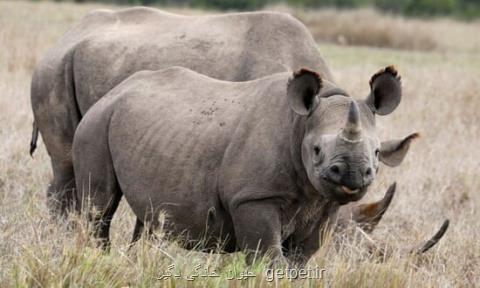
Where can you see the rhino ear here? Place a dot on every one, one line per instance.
(393, 152)
(386, 91)
(302, 90)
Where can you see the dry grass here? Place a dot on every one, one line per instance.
(368, 27)
(438, 180)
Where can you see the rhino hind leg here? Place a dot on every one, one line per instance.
(56, 116)
(60, 192)
(138, 230)
(98, 191)
(101, 221)
(58, 142)
(58, 138)
(99, 196)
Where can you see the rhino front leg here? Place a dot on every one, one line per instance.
(299, 253)
(258, 231)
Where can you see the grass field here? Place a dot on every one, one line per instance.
(439, 179)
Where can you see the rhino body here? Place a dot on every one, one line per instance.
(245, 163)
(106, 47)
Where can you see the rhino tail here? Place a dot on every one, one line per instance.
(33, 142)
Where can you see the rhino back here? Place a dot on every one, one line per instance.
(234, 47)
(106, 47)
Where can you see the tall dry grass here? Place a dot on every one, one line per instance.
(368, 27)
(438, 180)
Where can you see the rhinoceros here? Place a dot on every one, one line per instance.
(257, 165)
(106, 47)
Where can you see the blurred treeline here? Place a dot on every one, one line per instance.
(458, 8)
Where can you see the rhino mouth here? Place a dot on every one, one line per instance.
(349, 191)
(343, 194)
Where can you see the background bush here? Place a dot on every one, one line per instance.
(466, 9)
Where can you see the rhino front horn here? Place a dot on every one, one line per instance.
(352, 130)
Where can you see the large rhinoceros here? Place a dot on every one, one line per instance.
(262, 164)
(106, 47)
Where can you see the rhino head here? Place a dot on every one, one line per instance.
(340, 150)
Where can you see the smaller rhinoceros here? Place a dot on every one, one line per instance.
(258, 165)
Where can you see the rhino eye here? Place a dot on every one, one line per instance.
(377, 153)
(316, 149)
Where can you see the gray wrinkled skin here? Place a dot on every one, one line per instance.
(246, 163)
(106, 47)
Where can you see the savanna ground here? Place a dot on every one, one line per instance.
(440, 65)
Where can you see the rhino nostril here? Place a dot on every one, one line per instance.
(335, 169)
(368, 172)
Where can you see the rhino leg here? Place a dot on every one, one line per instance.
(56, 116)
(298, 253)
(98, 192)
(60, 192)
(102, 220)
(137, 231)
(58, 138)
(99, 195)
(257, 231)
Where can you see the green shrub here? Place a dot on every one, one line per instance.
(430, 7)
